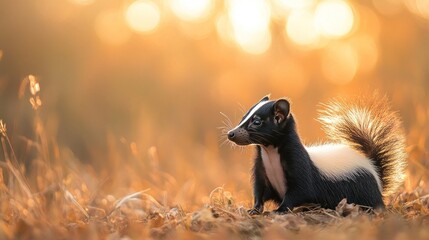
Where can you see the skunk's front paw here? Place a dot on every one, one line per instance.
(281, 210)
(253, 211)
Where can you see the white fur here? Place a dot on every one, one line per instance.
(259, 105)
(273, 168)
(339, 161)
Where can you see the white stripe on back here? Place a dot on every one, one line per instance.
(339, 162)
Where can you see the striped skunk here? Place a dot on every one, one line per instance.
(365, 162)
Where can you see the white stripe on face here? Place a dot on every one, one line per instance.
(253, 111)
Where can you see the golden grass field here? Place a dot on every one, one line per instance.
(111, 113)
(132, 195)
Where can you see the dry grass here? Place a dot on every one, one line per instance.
(57, 196)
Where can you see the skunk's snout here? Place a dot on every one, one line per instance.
(231, 135)
(239, 135)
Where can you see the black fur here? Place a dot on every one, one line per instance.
(305, 183)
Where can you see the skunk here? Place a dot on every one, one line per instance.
(365, 161)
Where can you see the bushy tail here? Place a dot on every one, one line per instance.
(371, 127)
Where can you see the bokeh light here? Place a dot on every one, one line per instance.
(339, 63)
(224, 29)
(368, 22)
(367, 52)
(300, 28)
(196, 30)
(82, 2)
(250, 21)
(388, 7)
(143, 16)
(191, 10)
(289, 5)
(418, 7)
(256, 44)
(111, 28)
(334, 18)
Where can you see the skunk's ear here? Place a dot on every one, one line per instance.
(266, 98)
(281, 110)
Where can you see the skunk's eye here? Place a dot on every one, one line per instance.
(257, 122)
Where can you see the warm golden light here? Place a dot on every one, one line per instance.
(294, 4)
(115, 114)
(334, 18)
(288, 78)
(367, 52)
(250, 21)
(191, 10)
(300, 28)
(423, 6)
(418, 7)
(256, 44)
(340, 63)
(82, 2)
(196, 30)
(249, 15)
(388, 7)
(143, 16)
(111, 28)
(224, 29)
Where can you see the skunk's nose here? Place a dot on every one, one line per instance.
(231, 135)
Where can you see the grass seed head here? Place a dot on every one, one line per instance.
(2, 128)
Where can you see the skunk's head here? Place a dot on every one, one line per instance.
(263, 124)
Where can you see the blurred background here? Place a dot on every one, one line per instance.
(132, 90)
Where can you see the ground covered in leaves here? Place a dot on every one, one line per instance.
(57, 214)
